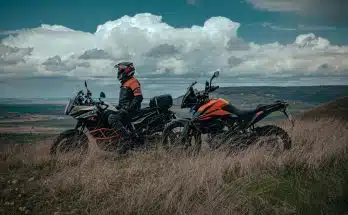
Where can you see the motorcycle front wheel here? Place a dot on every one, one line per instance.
(171, 134)
(70, 141)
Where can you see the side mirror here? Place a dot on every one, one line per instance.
(102, 95)
(206, 85)
(216, 74)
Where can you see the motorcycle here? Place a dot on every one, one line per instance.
(91, 118)
(217, 117)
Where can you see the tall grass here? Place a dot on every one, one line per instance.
(311, 178)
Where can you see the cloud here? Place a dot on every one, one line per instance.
(331, 10)
(299, 27)
(6, 33)
(161, 50)
(13, 55)
(56, 64)
(315, 27)
(192, 2)
(95, 54)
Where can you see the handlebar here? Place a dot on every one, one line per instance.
(192, 84)
(213, 88)
(99, 103)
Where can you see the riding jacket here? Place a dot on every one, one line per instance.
(130, 95)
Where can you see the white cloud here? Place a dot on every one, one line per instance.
(160, 49)
(299, 27)
(13, 55)
(331, 10)
(192, 2)
(280, 5)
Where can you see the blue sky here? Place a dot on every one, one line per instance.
(262, 23)
(86, 15)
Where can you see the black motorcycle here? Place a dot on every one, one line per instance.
(91, 118)
(216, 117)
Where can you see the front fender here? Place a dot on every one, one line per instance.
(183, 121)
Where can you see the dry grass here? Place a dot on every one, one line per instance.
(312, 178)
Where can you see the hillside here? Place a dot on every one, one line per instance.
(311, 178)
(334, 109)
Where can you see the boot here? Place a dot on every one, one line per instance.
(125, 141)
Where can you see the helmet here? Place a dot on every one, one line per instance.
(124, 70)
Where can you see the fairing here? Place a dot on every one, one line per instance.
(83, 111)
(213, 108)
(69, 107)
(189, 100)
(110, 107)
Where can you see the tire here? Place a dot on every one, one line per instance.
(240, 142)
(269, 130)
(168, 133)
(186, 140)
(75, 142)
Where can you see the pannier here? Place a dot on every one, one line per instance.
(162, 102)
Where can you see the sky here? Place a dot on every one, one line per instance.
(48, 48)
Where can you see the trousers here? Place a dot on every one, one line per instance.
(120, 119)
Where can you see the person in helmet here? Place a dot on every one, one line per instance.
(130, 97)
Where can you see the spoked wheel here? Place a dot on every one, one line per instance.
(172, 135)
(192, 142)
(273, 136)
(269, 136)
(70, 141)
(179, 135)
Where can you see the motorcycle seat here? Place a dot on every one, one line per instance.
(251, 112)
(244, 112)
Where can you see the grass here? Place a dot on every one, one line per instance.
(20, 138)
(312, 178)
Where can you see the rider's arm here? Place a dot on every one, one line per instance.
(134, 88)
(135, 102)
(138, 96)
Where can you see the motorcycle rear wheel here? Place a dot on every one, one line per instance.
(239, 142)
(269, 130)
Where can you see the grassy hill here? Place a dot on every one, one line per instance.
(311, 178)
(335, 109)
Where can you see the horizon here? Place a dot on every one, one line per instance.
(64, 99)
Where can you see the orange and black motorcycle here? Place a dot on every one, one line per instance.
(217, 117)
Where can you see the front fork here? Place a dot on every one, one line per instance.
(80, 126)
(190, 130)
